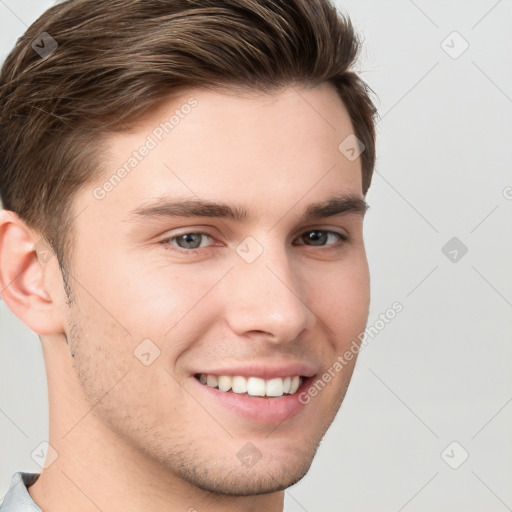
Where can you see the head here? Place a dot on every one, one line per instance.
(143, 105)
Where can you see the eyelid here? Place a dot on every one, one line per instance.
(330, 229)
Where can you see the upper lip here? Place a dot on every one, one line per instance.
(262, 370)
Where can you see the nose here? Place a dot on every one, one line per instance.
(266, 299)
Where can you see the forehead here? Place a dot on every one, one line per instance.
(251, 148)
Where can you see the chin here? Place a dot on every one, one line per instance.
(267, 475)
(252, 481)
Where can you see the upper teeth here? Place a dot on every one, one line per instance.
(254, 386)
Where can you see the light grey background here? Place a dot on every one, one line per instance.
(440, 371)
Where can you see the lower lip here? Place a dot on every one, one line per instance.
(257, 408)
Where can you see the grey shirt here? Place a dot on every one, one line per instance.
(17, 498)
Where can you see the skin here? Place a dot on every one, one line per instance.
(132, 437)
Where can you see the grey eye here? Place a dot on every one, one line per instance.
(319, 237)
(189, 240)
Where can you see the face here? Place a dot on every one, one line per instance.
(172, 301)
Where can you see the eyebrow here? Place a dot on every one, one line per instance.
(166, 207)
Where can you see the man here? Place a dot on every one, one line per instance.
(183, 186)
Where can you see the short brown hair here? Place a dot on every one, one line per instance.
(116, 59)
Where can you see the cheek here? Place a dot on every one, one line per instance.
(173, 303)
(355, 300)
(114, 374)
(149, 295)
(341, 297)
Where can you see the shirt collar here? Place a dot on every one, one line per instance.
(17, 498)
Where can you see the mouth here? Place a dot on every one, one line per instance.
(252, 386)
(262, 397)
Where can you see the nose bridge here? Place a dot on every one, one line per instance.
(264, 295)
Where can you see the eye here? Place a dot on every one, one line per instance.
(189, 243)
(319, 237)
(186, 242)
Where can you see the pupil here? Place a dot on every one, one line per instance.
(186, 239)
(316, 236)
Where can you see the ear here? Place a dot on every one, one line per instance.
(27, 272)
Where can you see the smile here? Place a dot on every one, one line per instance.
(253, 386)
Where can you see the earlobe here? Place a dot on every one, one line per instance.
(23, 264)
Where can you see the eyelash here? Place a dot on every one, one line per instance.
(343, 238)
